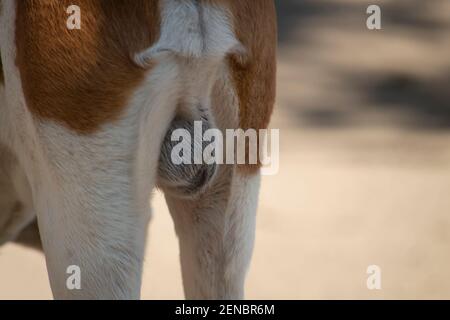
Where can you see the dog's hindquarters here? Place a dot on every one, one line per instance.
(88, 128)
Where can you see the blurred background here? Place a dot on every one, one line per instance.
(364, 119)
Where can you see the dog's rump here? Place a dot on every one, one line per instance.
(88, 111)
(113, 32)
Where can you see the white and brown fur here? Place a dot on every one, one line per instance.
(83, 120)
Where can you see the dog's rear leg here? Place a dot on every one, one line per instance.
(216, 235)
(15, 198)
(93, 212)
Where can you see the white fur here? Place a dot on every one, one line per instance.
(192, 30)
(91, 193)
(216, 236)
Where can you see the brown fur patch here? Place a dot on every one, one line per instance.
(82, 78)
(255, 79)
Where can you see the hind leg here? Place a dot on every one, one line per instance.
(216, 235)
(15, 198)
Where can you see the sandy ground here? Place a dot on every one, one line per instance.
(364, 168)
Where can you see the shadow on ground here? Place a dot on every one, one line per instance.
(342, 74)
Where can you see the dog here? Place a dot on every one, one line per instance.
(86, 120)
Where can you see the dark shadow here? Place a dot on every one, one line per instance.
(413, 14)
(426, 101)
(296, 15)
(405, 98)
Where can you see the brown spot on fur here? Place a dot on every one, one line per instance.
(255, 79)
(82, 78)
